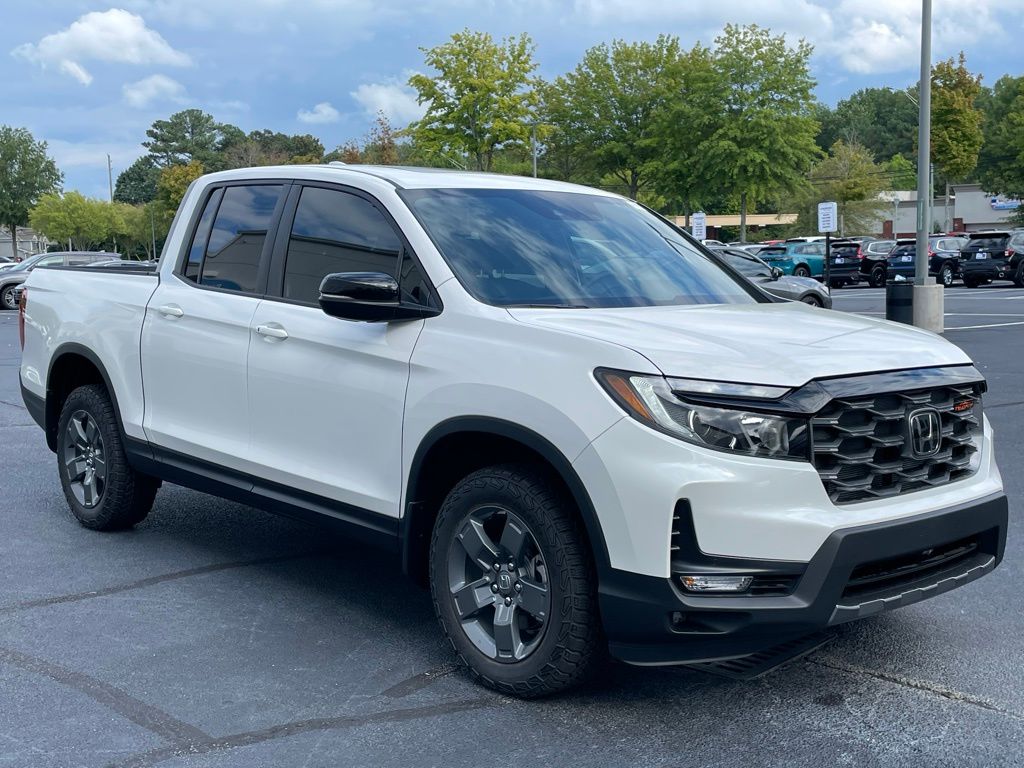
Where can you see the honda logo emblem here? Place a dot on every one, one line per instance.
(924, 432)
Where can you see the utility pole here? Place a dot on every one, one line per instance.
(928, 295)
(533, 137)
(152, 224)
(110, 177)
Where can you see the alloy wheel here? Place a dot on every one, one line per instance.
(84, 459)
(947, 276)
(498, 583)
(8, 299)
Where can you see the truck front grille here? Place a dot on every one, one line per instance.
(863, 450)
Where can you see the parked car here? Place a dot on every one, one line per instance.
(808, 256)
(988, 256)
(943, 259)
(771, 279)
(713, 243)
(777, 256)
(16, 275)
(548, 403)
(873, 266)
(844, 262)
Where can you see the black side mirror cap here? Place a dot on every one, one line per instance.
(373, 297)
(776, 273)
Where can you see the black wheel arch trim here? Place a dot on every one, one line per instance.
(530, 439)
(52, 411)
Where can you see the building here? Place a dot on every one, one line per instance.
(29, 242)
(969, 209)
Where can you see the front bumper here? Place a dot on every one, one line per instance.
(649, 620)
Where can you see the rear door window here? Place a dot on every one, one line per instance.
(230, 256)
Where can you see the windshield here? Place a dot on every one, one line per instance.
(992, 243)
(566, 249)
(750, 266)
(27, 263)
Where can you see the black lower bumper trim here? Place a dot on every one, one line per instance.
(35, 405)
(649, 620)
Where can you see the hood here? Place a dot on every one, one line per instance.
(784, 344)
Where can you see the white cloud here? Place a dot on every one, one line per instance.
(153, 88)
(395, 100)
(93, 154)
(321, 113)
(112, 36)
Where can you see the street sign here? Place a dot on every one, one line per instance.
(699, 225)
(828, 217)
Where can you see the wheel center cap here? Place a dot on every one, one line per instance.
(505, 581)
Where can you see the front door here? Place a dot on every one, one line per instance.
(326, 395)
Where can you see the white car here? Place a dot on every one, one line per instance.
(552, 406)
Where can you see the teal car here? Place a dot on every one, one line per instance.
(797, 257)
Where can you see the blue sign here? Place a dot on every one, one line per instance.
(1000, 203)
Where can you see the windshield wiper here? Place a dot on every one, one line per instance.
(546, 306)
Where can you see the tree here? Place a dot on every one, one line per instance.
(26, 174)
(141, 223)
(956, 122)
(186, 136)
(850, 177)
(1001, 161)
(901, 173)
(136, 184)
(348, 153)
(612, 103)
(174, 182)
(84, 221)
(562, 129)
(380, 147)
(480, 99)
(881, 119)
(763, 137)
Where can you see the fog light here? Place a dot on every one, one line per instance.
(704, 583)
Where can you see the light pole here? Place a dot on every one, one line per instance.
(928, 296)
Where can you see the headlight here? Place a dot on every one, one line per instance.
(651, 400)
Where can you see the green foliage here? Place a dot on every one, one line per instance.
(611, 106)
(480, 99)
(266, 147)
(26, 173)
(850, 177)
(1001, 162)
(381, 147)
(956, 122)
(881, 119)
(186, 136)
(84, 221)
(761, 139)
(174, 182)
(900, 173)
(136, 184)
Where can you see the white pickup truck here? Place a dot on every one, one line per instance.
(574, 423)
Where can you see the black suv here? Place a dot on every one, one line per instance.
(997, 255)
(845, 257)
(943, 258)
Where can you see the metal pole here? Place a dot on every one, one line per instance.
(110, 177)
(924, 132)
(534, 136)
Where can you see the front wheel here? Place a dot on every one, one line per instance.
(103, 491)
(513, 582)
(946, 275)
(7, 300)
(801, 270)
(814, 301)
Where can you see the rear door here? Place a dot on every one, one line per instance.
(327, 395)
(195, 338)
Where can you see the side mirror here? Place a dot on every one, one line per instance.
(368, 296)
(776, 273)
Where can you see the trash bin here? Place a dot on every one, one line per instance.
(899, 302)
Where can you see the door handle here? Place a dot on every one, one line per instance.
(170, 310)
(272, 331)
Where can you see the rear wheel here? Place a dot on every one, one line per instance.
(103, 491)
(972, 282)
(7, 300)
(802, 270)
(946, 275)
(513, 583)
(877, 278)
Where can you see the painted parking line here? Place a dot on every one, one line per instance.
(976, 327)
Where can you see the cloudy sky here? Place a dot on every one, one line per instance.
(89, 77)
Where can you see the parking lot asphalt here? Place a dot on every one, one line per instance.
(218, 635)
